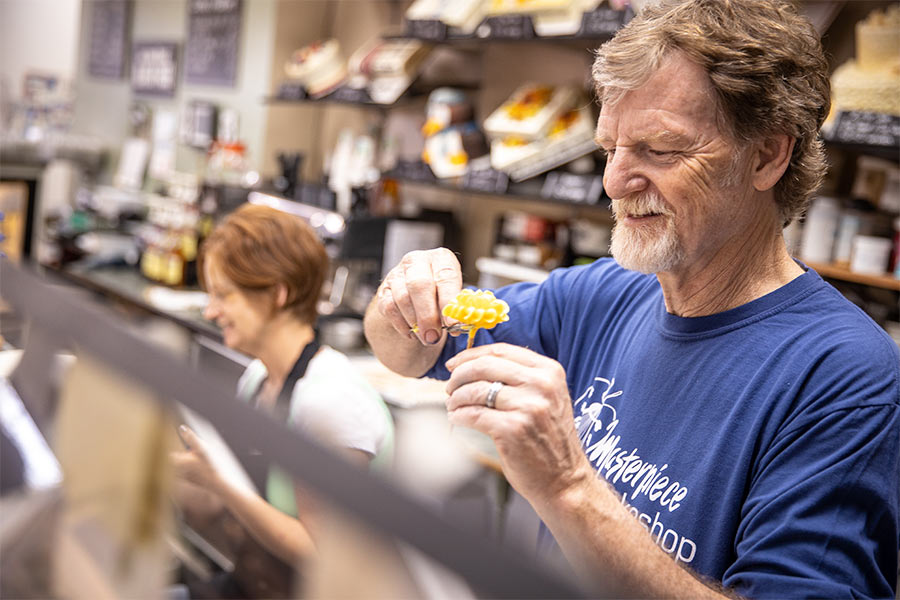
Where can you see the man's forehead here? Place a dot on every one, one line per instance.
(678, 97)
(647, 132)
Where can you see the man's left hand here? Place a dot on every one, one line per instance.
(531, 422)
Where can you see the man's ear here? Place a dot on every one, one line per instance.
(773, 154)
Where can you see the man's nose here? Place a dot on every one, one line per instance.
(623, 175)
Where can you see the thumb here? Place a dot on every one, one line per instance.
(190, 439)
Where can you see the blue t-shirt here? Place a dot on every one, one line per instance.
(759, 446)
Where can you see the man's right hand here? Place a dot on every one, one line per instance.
(411, 298)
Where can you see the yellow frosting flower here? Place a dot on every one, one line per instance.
(477, 309)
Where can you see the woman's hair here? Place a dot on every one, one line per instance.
(258, 247)
(766, 66)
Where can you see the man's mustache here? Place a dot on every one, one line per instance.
(641, 204)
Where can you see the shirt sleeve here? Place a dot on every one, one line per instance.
(821, 515)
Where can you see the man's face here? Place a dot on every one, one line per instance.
(680, 191)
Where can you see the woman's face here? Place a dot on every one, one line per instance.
(242, 317)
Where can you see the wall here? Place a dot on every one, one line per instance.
(294, 127)
(26, 29)
(102, 106)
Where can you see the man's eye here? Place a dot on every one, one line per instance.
(660, 153)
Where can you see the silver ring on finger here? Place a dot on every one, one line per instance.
(491, 400)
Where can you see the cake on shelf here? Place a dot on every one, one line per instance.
(319, 67)
(571, 136)
(871, 82)
(386, 68)
(550, 17)
(452, 139)
(464, 15)
(450, 151)
(530, 112)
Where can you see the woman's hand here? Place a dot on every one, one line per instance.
(193, 464)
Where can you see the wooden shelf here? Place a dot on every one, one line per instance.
(888, 282)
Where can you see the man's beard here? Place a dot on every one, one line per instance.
(648, 248)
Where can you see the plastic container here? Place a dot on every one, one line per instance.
(848, 228)
(819, 230)
(870, 254)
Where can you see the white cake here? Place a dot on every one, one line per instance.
(465, 15)
(570, 137)
(450, 151)
(871, 82)
(320, 67)
(530, 111)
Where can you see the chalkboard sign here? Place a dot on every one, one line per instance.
(486, 180)
(871, 129)
(604, 21)
(506, 27)
(154, 68)
(571, 187)
(210, 55)
(349, 95)
(291, 90)
(110, 24)
(426, 29)
(413, 171)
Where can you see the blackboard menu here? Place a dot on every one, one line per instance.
(506, 27)
(210, 55)
(867, 128)
(604, 21)
(571, 187)
(292, 90)
(413, 171)
(426, 29)
(110, 24)
(486, 180)
(154, 68)
(349, 95)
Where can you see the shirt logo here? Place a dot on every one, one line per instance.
(596, 420)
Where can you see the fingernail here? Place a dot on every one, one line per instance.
(182, 429)
(432, 336)
(450, 364)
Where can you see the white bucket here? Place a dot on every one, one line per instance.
(870, 254)
(819, 230)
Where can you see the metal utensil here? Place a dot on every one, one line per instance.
(455, 328)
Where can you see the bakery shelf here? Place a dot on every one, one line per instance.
(873, 134)
(597, 25)
(886, 152)
(292, 93)
(832, 271)
(555, 187)
(509, 270)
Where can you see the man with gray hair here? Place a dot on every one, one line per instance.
(704, 415)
